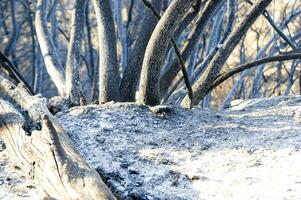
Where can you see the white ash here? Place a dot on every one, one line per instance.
(12, 184)
(251, 151)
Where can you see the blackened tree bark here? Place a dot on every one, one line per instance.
(73, 86)
(202, 85)
(132, 72)
(171, 72)
(156, 50)
(108, 65)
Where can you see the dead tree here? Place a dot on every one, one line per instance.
(171, 72)
(160, 42)
(202, 85)
(39, 146)
(156, 50)
(132, 72)
(54, 68)
(73, 86)
(108, 65)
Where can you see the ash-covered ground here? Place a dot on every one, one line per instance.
(12, 184)
(250, 151)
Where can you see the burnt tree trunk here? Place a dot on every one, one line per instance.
(53, 66)
(132, 72)
(156, 50)
(108, 65)
(202, 86)
(42, 149)
(73, 86)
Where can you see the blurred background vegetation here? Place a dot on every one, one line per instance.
(18, 42)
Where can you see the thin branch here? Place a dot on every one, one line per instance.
(277, 29)
(278, 58)
(13, 72)
(130, 14)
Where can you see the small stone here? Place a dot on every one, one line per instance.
(31, 186)
(2, 146)
(100, 140)
(133, 171)
(124, 165)
(107, 129)
(165, 161)
(195, 177)
(161, 109)
(153, 143)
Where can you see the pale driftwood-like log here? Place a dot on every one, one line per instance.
(42, 149)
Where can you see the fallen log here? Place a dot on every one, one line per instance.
(37, 143)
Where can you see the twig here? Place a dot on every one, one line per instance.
(224, 76)
(277, 29)
(13, 72)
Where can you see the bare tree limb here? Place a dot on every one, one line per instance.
(177, 51)
(73, 86)
(278, 58)
(48, 50)
(156, 50)
(13, 72)
(202, 85)
(108, 65)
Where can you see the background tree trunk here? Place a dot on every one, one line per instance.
(48, 50)
(108, 65)
(202, 85)
(171, 72)
(132, 72)
(73, 86)
(156, 50)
